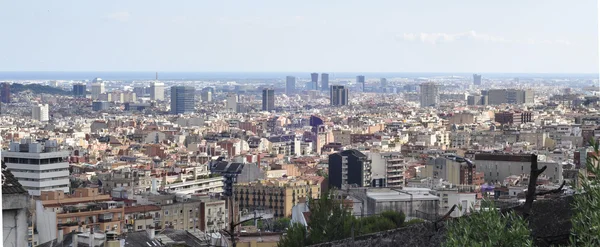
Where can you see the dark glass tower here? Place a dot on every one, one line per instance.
(182, 99)
(268, 99)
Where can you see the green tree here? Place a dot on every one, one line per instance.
(375, 223)
(327, 214)
(396, 217)
(489, 228)
(586, 205)
(281, 224)
(294, 237)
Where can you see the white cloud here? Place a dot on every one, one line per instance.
(435, 38)
(122, 16)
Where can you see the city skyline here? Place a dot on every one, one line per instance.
(474, 37)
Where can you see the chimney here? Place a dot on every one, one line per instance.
(151, 233)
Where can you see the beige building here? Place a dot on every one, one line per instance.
(279, 195)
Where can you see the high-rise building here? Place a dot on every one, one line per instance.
(232, 102)
(40, 112)
(290, 85)
(430, 94)
(140, 91)
(324, 82)
(97, 88)
(383, 82)
(157, 91)
(477, 100)
(338, 95)
(182, 99)
(38, 166)
(206, 96)
(79, 90)
(476, 79)
(314, 81)
(361, 80)
(268, 99)
(5, 93)
(349, 167)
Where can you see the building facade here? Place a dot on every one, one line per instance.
(290, 85)
(40, 112)
(182, 99)
(338, 95)
(268, 99)
(430, 95)
(38, 166)
(157, 91)
(349, 167)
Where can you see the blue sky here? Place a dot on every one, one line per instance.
(533, 36)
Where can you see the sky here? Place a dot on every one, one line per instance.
(463, 36)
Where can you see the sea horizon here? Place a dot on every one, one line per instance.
(182, 75)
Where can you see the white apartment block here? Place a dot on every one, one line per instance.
(38, 166)
(40, 112)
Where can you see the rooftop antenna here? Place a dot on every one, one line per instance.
(157, 76)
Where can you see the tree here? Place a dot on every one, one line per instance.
(329, 219)
(489, 228)
(586, 205)
(396, 217)
(281, 224)
(294, 237)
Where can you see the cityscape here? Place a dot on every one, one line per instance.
(332, 156)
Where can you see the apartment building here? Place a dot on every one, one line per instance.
(349, 167)
(85, 210)
(387, 169)
(497, 167)
(278, 195)
(38, 166)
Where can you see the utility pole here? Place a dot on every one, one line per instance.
(232, 225)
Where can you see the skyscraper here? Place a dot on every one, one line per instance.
(79, 90)
(40, 112)
(206, 94)
(5, 93)
(157, 91)
(361, 80)
(324, 82)
(383, 83)
(314, 79)
(182, 99)
(268, 99)
(430, 94)
(97, 88)
(476, 79)
(290, 85)
(232, 101)
(338, 95)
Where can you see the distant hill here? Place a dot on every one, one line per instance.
(37, 88)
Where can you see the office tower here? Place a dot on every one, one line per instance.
(290, 85)
(206, 96)
(232, 101)
(182, 99)
(338, 95)
(157, 91)
(477, 100)
(476, 79)
(268, 99)
(361, 80)
(383, 83)
(314, 79)
(349, 167)
(5, 93)
(140, 91)
(324, 82)
(79, 90)
(40, 112)
(430, 95)
(100, 105)
(97, 88)
(38, 166)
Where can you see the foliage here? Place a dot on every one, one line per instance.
(294, 237)
(413, 221)
(489, 228)
(330, 221)
(586, 205)
(396, 217)
(38, 89)
(281, 224)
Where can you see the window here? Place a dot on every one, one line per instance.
(139, 227)
(166, 212)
